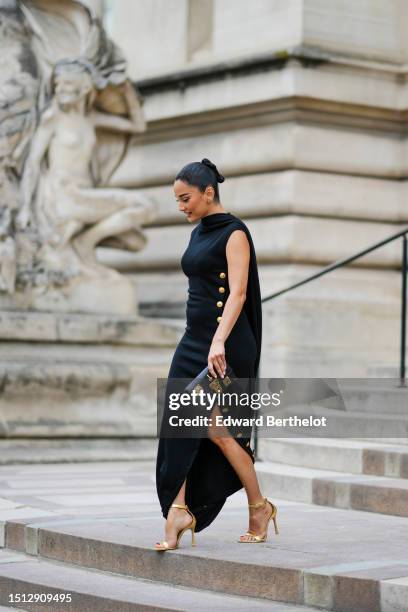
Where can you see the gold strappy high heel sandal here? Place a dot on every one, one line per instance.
(262, 538)
(192, 526)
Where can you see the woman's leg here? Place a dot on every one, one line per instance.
(177, 518)
(244, 467)
(181, 496)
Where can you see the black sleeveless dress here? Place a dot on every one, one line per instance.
(210, 476)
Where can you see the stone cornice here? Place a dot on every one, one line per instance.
(217, 71)
(306, 56)
(327, 95)
(294, 109)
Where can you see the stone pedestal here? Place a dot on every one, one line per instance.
(76, 376)
(114, 295)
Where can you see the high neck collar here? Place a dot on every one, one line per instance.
(215, 220)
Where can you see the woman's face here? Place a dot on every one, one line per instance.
(191, 201)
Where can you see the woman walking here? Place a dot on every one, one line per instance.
(194, 477)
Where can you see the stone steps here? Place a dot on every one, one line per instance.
(359, 571)
(106, 592)
(377, 396)
(29, 451)
(383, 495)
(342, 423)
(104, 518)
(103, 591)
(374, 396)
(339, 455)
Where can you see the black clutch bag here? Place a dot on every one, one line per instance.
(204, 380)
(232, 385)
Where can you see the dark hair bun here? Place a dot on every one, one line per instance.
(214, 168)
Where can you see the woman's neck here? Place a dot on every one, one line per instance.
(213, 211)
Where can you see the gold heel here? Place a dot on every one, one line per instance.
(164, 545)
(262, 538)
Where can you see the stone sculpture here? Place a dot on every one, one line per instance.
(85, 112)
(19, 86)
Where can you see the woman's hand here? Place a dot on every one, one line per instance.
(216, 359)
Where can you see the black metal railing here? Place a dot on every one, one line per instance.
(342, 262)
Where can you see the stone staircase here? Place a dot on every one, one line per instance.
(332, 561)
(100, 552)
(70, 450)
(90, 590)
(357, 474)
(356, 469)
(89, 530)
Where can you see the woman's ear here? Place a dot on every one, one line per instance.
(210, 193)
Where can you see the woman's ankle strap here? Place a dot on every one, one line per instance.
(258, 504)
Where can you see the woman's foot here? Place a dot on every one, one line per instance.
(258, 521)
(177, 519)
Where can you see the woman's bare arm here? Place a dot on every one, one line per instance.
(238, 255)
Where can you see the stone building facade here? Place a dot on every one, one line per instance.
(302, 105)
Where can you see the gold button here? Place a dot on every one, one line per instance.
(222, 275)
(221, 289)
(219, 319)
(219, 304)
